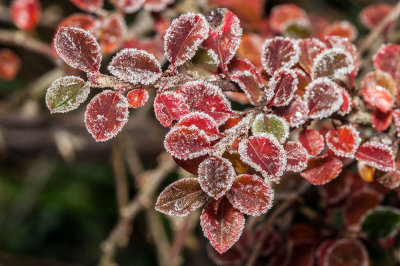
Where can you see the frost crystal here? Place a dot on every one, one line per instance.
(283, 84)
(296, 156)
(333, 63)
(309, 49)
(344, 141)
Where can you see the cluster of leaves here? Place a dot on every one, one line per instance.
(302, 77)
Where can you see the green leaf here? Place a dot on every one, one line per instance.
(202, 65)
(297, 29)
(66, 94)
(381, 223)
(272, 124)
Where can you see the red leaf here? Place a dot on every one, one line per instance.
(156, 5)
(320, 170)
(296, 156)
(343, 252)
(153, 46)
(250, 48)
(84, 21)
(184, 37)
(187, 142)
(106, 114)
(391, 179)
(251, 195)
(128, 6)
(347, 103)
(135, 66)
(249, 83)
(281, 87)
(25, 13)
(312, 141)
(309, 49)
(377, 87)
(224, 35)
(264, 153)
(396, 117)
(342, 29)
(304, 80)
(281, 15)
(181, 197)
(191, 165)
(221, 224)
(137, 98)
(372, 15)
(78, 48)
(207, 98)
(216, 176)
(88, 5)
(334, 63)
(377, 155)
(202, 121)
(336, 190)
(113, 30)
(296, 113)
(387, 58)
(169, 106)
(279, 52)
(238, 64)
(344, 141)
(380, 120)
(323, 97)
(9, 64)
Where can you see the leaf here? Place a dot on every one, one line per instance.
(323, 97)
(251, 195)
(207, 98)
(264, 153)
(366, 172)
(295, 114)
(387, 58)
(181, 197)
(380, 120)
(128, 6)
(312, 141)
(309, 49)
(342, 29)
(184, 36)
(9, 64)
(320, 170)
(78, 48)
(106, 114)
(272, 124)
(336, 190)
(224, 35)
(373, 14)
(66, 94)
(25, 13)
(169, 106)
(333, 63)
(296, 156)
(281, 87)
(187, 142)
(135, 66)
(84, 21)
(88, 5)
(202, 121)
(390, 179)
(221, 224)
(344, 251)
(191, 165)
(304, 80)
(396, 118)
(378, 90)
(112, 33)
(202, 65)
(156, 5)
(137, 98)
(250, 48)
(248, 83)
(279, 52)
(281, 15)
(216, 175)
(347, 103)
(381, 223)
(377, 155)
(344, 141)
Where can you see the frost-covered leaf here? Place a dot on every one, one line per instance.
(378, 90)
(323, 97)
(66, 94)
(169, 106)
(152, 45)
(181, 197)
(304, 80)
(312, 141)
(202, 121)
(279, 52)
(372, 15)
(88, 5)
(250, 48)
(135, 66)
(347, 103)
(216, 175)
(281, 87)
(249, 83)
(264, 153)
(282, 15)
(187, 142)
(342, 29)
(309, 49)
(156, 5)
(344, 251)
(344, 141)
(207, 98)
(25, 13)
(112, 33)
(128, 6)
(377, 155)
(184, 36)
(387, 58)
(320, 170)
(224, 35)
(296, 156)
(380, 120)
(78, 48)
(106, 114)
(295, 114)
(191, 165)
(251, 195)
(238, 64)
(381, 223)
(333, 63)
(137, 98)
(272, 124)
(221, 224)
(9, 64)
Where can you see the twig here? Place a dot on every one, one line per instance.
(378, 29)
(267, 227)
